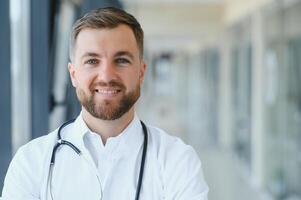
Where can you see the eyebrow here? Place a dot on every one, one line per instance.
(119, 53)
(90, 54)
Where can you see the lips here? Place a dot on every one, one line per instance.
(109, 89)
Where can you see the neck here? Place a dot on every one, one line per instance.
(107, 128)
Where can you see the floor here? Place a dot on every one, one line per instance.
(226, 177)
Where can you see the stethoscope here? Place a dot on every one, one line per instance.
(61, 141)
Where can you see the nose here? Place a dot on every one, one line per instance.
(107, 72)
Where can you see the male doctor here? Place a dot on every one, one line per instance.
(107, 70)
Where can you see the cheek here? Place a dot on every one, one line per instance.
(133, 82)
(84, 81)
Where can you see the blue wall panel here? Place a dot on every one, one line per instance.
(5, 91)
(39, 66)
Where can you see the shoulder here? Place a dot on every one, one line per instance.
(180, 166)
(25, 172)
(35, 151)
(37, 147)
(33, 155)
(168, 146)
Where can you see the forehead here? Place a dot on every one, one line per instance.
(106, 40)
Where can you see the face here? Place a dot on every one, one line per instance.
(107, 71)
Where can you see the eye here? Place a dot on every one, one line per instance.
(122, 61)
(91, 61)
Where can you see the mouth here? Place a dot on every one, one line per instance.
(107, 91)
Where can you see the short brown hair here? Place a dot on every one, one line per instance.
(109, 17)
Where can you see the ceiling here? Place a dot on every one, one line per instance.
(177, 24)
(179, 2)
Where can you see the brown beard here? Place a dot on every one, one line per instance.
(107, 110)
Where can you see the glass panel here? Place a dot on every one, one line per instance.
(241, 85)
(292, 159)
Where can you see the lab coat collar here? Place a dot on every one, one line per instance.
(127, 142)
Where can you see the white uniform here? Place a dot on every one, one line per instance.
(172, 169)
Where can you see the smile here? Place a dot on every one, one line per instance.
(107, 92)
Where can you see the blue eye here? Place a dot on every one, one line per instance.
(122, 61)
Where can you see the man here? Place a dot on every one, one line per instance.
(104, 156)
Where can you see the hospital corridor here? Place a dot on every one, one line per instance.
(222, 75)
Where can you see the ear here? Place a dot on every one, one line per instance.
(143, 67)
(72, 74)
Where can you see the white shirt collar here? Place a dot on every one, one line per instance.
(128, 141)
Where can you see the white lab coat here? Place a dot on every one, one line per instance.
(172, 169)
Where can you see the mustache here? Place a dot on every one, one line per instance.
(113, 83)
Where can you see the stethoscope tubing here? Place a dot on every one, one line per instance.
(142, 161)
(61, 142)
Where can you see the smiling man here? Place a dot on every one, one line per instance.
(107, 72)
(106, 152)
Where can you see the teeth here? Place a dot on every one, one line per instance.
(107, 91)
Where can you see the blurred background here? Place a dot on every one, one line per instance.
(223, 75)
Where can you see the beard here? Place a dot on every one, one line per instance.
(108, 109)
